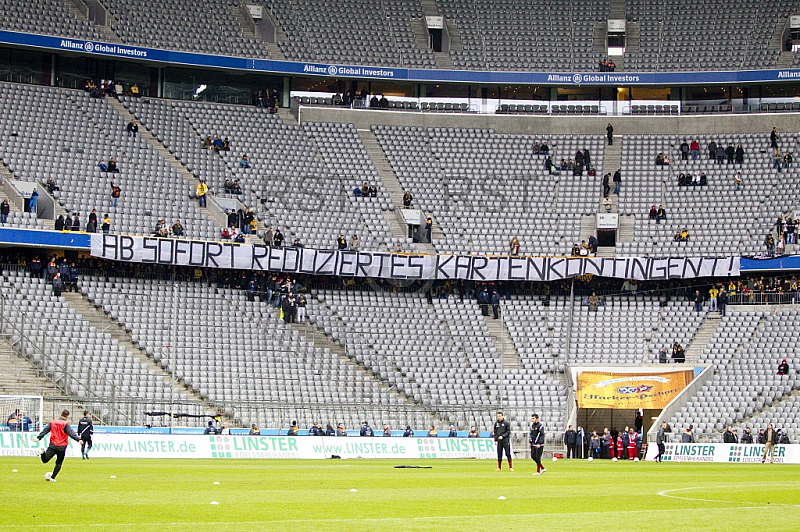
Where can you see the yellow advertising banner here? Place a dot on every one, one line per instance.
(599, 389)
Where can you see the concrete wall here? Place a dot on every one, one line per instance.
(623, 125)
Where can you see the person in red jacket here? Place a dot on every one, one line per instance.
(60, 433)
(619, 446)
(633, 451)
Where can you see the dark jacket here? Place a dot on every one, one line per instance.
(728, 437)
(570, 437)
(536, 434)
(502, 429)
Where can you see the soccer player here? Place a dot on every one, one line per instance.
(85, 431)
(536, 441)
(60, 433)
(661, 437)
(502, 437)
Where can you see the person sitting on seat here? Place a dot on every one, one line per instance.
(244, 163)
(217, 144)
(432, 432)
(661, 214)
(135, 90)
(208, 143)
(226, 145)
(661, 160)
(653, 213)
(236, 189)
(111, 167)
(783, 367)
(678, 354)
(177, 228)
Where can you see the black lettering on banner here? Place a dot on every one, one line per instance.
(553, 272)
(126, 244)
(113, 245)
(287, 253)
(151, 245)
(232, 247)
(398, 261)
(639, 265)
(170, 245)
(690, 264)
(275, 256)
(615, 262)
(383, 258)
(463, 262)
(478, 265)
(307, 256)
(516, 263)
(193, 244)
(714, 262)
(658, 270)
(326, 256)
(259, 252)
(180, 249)
(594, 264)
(363, 259)
(347, 263)
(674, 264)
(441, 262)
(416, 263)
(571, 263)
(213, 251)
(537, 264)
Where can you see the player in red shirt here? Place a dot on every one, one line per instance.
(633, 451)
(60, 433)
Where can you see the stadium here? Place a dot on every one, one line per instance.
(286, 263)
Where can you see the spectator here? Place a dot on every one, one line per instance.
(728, 436)
(73, 277)
(177, 228)
(737, 181)
(661, 160)
(373, 102)
(33, 201)
(777, 160)
(277, 238)
(453, 433)
(407, 199)
(688, 435)
(216, 145)
(722, 300)
(366, 430)
(383, 103)
(769, 243)
(576, 250)
(373, 191)
(59, 225)
(226, 145)
(135, 90)
(495, 304)
(484, 300)
(783, 367)
(592, 171)
(254, 430)
(783, 438)
(607, 203)
(713, 293)
(569, 442)
(604, 65)
(606, 188)
(429, 231)
(354, 243)
(408, 433)
(432, 432)
(698, 301)
(202, 190)
(244, 163)
(68, 223)
(738, 155)
(593, 302)
(341, 242)
(661, 214)
(57, 284)
(694, 148)
(133, 128)
(5, 209)
(593, 243)
(730, 153)
(106, 227)
(653, 213)
(747, 437)
(236, 188)
(787, 160)
(712, 150)
(340, 430)
(609, 134)
(684, 149)
(544, 148)
(91, 225)
(76, 222)
(513, 246)
(51, 185)
(116, 191)
(662, 356)
(207, 143)
(612, 67)
(720, 154)
(773, 139)
(473, 432)
(111, 167)
(536, 148)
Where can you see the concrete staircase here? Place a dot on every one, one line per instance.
(631, 38)
(80, 11)
(454, 34)
(212, 211)
(429, 8)
(617, 9)
(776, 42)
(420, 33)
(280, 36)
(21, 377)
(768, 409)
(625, 232)
(98, 319)
(599, 37)
(612, 157)
(785, 60)
(704, 334)
(393, 187)
(245, 22)
(505, 345)
(443, 61)
(287, 117)
(588, 227)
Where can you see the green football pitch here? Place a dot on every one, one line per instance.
(361, 494)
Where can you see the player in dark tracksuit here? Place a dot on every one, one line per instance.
(502, 437)
(536, 441)
(60, 433)
(85, 431)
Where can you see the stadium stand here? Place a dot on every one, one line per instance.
(745, 352)
(745, 216)
(63, 134)
(101, 369)
(212, 28)
(46, 17)
(484, 187)
(301, 177)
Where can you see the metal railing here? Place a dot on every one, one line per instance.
(764, 298)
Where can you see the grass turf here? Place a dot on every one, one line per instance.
(289, 494)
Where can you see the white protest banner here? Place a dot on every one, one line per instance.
(344, 263)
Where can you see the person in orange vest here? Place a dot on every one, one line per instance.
(633, 451)
(60, 433)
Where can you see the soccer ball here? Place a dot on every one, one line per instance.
(591, 458)
(636, 459)
(48, 475)
(555, 459)
(614, 459)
